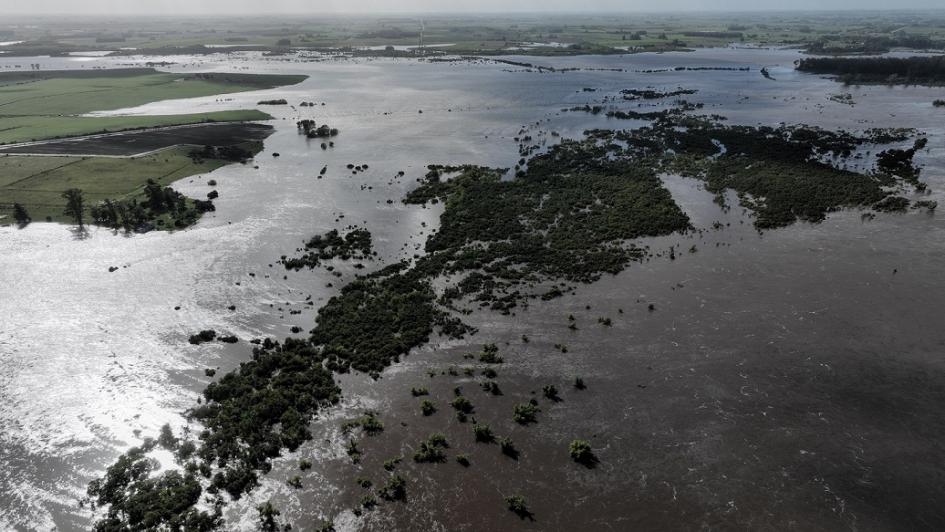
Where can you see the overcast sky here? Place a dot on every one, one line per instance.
(439, 6)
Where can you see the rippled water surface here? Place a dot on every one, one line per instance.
(786, 380)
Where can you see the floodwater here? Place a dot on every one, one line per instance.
(785, 380)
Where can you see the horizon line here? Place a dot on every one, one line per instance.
(676, 12)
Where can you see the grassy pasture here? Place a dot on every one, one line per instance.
(38, 182)
(44, 105)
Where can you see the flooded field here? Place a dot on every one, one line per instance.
(791, 379)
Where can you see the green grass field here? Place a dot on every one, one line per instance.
(38, 182)
(44, 105)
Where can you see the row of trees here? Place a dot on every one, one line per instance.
(75, 209)
(924, 69)
(130, 214)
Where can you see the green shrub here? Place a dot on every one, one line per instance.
(518, 505)
(580, 451)
(427, 407)
(490, 354)
(461, 404)
(483, 433)
(395, 489)
(525, 413)
(508, 448)
(390, 464)
(431, 450)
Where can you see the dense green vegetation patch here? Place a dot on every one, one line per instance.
(375, 320)
(251, 414)
(783, 174)
(354, 245)
(566, 218)
(157, 501)
(919, 70)
(651, 94)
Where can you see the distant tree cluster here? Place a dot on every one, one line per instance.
(898, 70)
(133, 215)
(873, 44)
(312, 130)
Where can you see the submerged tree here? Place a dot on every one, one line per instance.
(518, 505)
(20, 214)
(483, 433)
(580, 451)
(395, 489)
(427, 407)
(508, 448)
(268, 518)
(74, 206)
(525, 413)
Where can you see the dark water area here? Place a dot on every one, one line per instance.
(790, 380)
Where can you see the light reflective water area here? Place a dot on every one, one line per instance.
(792, 366)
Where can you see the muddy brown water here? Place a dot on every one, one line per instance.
(785, 380)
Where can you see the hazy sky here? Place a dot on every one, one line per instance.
(462, 6)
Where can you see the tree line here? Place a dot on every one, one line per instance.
(899, 70)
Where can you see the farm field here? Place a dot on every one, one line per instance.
(38, 182)
(530, 34)
(44, 105)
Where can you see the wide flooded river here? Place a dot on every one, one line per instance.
(786, 380)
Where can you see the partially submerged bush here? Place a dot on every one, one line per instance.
(580, 451)
(203, 336)
(518, 505)
(432, 450)
(461, 404)
(395, 489)
(525, 413)
(427, 407)
(490, 354)
(508, 448)
(483, 433)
